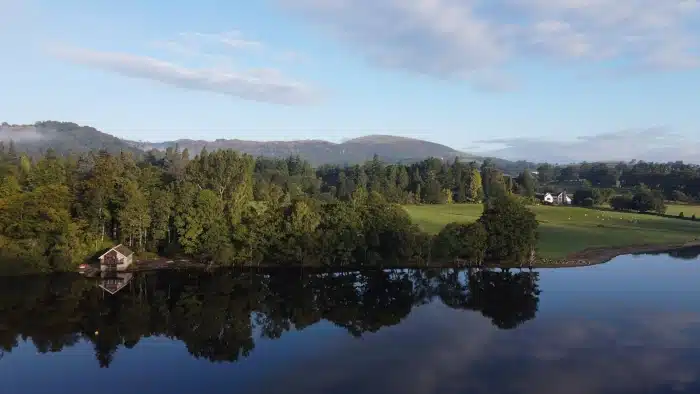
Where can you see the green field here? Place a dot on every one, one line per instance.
(565, 230)
(688, 210)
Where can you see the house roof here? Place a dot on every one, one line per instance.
(123, 250)
(119, 249)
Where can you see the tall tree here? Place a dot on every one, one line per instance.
(527, 184)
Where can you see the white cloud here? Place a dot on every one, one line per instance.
(265, 85)
(652, 144)
(457, 37)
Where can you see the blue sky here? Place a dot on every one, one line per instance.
(529, 74)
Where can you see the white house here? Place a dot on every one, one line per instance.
(559, 199)
(562, 199)
(116, 259)
(548, 198)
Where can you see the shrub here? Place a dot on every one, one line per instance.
(580, 196)
(621, 203)
(587, 202)
(693, 217)
(681, 215)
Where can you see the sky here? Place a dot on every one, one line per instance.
(595, 79)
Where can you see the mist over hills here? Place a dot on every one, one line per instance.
(62, 137)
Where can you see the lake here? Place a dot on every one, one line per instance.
(628, 326)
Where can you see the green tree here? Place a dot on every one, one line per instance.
(134, 216)
(512, 230)
(475, 191)
(527, 184)
(461, 241)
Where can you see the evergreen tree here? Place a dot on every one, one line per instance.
(527, 184)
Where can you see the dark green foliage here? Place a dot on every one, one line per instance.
(643, 200)
(527, 184)
(676, 181)
(693, 217)
(461, 241)
(588, 202)
(511, 229)
(581, 195)
(681, 215)
(622, 203)
(647, 201)
(231, 209)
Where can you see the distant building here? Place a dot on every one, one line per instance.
(548, 199)
(562, 199)
(559, 199)
(118, 258)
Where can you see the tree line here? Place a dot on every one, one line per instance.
(216, 314)
(230, 208)
(675, 181)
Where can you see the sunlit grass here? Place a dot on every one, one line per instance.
(565, 230)
(688, 210)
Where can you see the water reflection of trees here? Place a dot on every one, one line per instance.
(217, 315)
(691, 253)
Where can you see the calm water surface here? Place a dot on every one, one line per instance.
(629, 326)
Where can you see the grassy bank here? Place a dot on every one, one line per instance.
(565, 231)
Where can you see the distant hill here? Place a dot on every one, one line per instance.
(62, 137)
(389, 148)
(66, 137)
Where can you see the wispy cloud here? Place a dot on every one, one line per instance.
(454, 38)
(233, 39)
(264, 85)
(24, 134)
(651, 144)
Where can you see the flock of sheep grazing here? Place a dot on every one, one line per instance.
(604, 217)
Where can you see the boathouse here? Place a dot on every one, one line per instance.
(112, 281)
(116, 259)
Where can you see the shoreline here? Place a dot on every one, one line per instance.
(586, 257)
(602, 255)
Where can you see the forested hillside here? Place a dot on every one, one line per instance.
(62, 137)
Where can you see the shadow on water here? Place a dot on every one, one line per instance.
(217, 315)
(690, 253)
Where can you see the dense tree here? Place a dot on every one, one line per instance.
(511, 229)
(461, 241)
(527, 184)
(226, 208)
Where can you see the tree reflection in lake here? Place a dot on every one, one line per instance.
(217, 315)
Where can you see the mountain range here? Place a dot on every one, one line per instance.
(64, 137)
(358, 150)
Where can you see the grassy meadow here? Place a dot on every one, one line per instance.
(688, 210)
(565, 230)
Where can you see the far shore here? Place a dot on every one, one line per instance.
(587, 257)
